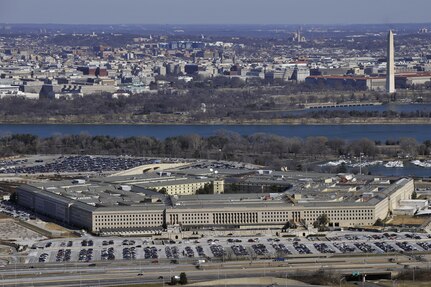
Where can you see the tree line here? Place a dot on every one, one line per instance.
(366, 114)
(264, 149)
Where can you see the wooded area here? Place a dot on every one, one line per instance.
(264, 149)
(205, 100)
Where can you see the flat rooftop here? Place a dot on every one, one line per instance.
(304, 189)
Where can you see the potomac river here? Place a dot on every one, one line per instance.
(381, 132)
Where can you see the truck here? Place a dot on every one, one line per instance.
(200, 261)
(279, 259)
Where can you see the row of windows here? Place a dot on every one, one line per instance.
(341, 218)
(276, 216)
(199, 215)
(234, 218)
(241, 217)
(195, 221)
(183, 188)
(353, 211)
(274, 220)
(128, 216)
(130, 224)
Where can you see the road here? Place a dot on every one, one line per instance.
(116, 273)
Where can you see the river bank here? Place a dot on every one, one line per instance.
(91, 120)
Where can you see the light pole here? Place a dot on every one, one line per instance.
(341, 279)
(15, 271)
(225, 279)
(360, 163)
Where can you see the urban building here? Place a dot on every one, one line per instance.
(348, 81)
(137, 204)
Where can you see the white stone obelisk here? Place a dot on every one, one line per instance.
(390, 65)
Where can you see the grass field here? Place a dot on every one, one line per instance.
(55, 227)
(408, 220)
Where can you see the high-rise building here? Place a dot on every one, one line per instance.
(390, 65)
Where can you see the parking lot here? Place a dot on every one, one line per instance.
(76, 163)
(14, 211)
(104, 249)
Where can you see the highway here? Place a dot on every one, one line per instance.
(117, 273)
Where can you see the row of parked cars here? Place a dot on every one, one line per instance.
(150, 252)
(239, 250)
(188, 251)
(259, 249)
(425, 245)
(218, 165)
(344, 247)
(128, 242)
(43, 257)
(86, 242)
(406, 246)
(107, 253)
(129, 253)
(107, 242)
(217, 250)
(323, 248)
(86, 255)
(79, 163)
(301, 248)
(63, 255)
(14, 211)
(200, 251)
(280, 247)
(171, 252)
(67, 244)
(385, 246)
(365, 247)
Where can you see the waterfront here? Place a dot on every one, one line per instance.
(349, 132)
(409, 169)
(398, 108)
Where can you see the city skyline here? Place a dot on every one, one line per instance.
(205, 12)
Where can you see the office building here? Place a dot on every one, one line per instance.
(131, 204)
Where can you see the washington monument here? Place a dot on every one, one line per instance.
(390, 66)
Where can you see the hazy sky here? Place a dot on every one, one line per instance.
(215, 11)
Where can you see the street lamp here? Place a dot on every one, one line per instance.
(341, 279)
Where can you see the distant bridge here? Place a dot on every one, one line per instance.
(333, 105)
